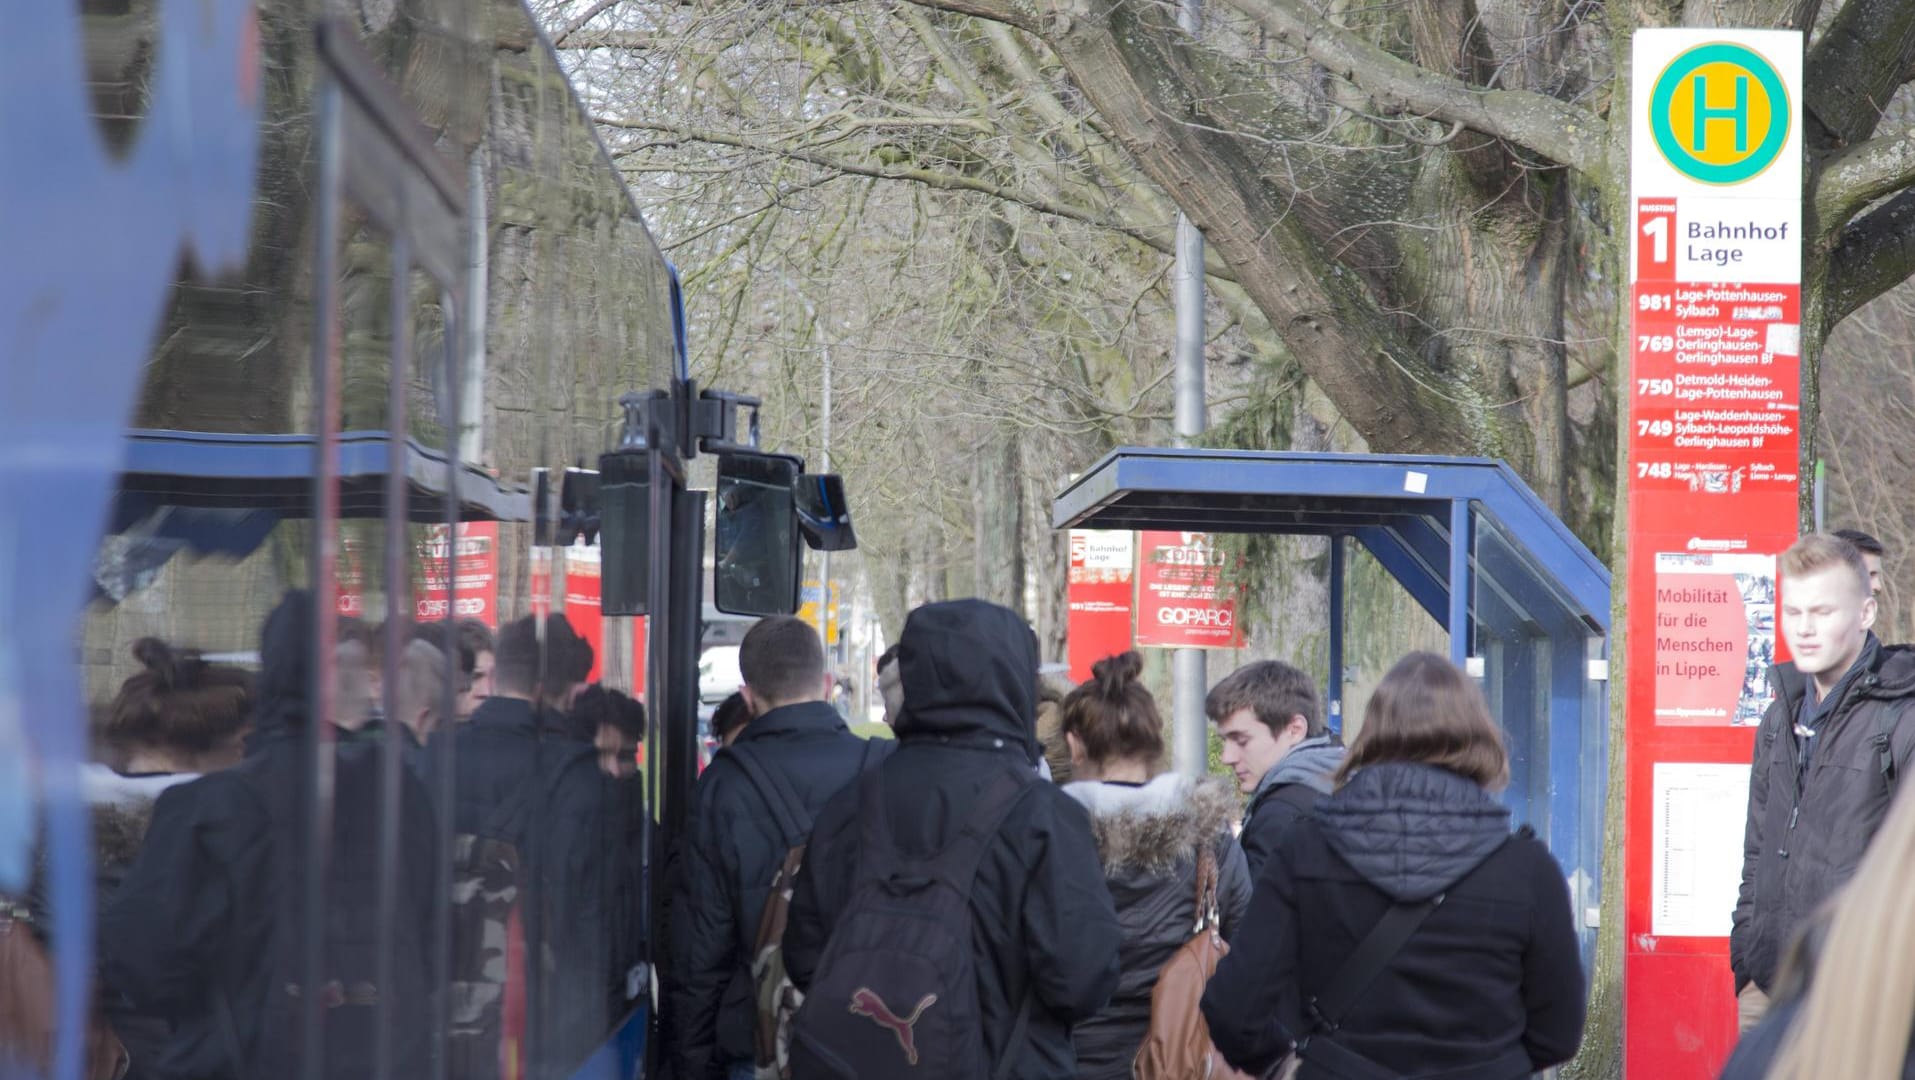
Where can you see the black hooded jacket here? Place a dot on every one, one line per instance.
(1043, 922)
(203, 928)
(1490, 987)
(731, 851)
(1808, 829)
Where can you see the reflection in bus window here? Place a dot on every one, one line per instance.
(220, 951)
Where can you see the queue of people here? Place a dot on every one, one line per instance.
(1013, 887)
(935, 908)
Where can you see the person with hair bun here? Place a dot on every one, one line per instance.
(1152, 830)
(1400, 929)
(177, 719)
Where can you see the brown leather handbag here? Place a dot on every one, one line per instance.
(28, 1012)
(1177, 1045)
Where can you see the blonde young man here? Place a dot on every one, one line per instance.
(1827, 758)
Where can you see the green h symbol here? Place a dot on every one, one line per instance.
(1739, 112)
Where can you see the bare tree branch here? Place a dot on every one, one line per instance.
(1152, 238)
(1867, 51)
(1135, 69)
(1853, 178)
(632, 40)
(1018, 13)
(599, 7)
(1537, 122)
(1876, 253)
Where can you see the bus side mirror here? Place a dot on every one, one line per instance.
(824, 518)
(756, 541)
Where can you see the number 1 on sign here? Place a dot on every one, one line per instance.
(1657, 230)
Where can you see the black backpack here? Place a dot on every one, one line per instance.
(896, 991)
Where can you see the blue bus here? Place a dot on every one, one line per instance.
(335, 360)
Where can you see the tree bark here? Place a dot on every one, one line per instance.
(998, 512)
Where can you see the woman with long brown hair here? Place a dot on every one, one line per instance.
(1154, 830)
(1845, 998)
(1402, 930)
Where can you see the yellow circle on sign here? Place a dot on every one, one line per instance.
(1736, 108)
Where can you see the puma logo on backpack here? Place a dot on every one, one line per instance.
(866, 1002)
(905, 936)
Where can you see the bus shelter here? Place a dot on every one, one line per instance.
(1525, 605)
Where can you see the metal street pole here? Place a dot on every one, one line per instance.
(1190, 744)
(824, 456)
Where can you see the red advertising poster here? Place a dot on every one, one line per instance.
(1180, 601)
(1715, 639)
(474, 561)
(582, 608)
(1100, 593)
(1713, 484)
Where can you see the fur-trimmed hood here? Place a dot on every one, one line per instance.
(118, 831)
(1147, 840)
(1153, 827)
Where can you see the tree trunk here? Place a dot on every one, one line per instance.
(998, 513)
(1049, 569)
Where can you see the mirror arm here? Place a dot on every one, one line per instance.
(715, 421)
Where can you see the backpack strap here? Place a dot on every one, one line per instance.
(1884, 746)
(787, 809)
(1325, 1011)
(1207, 917)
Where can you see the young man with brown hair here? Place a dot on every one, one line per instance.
(1827, 758)
(1275, 740)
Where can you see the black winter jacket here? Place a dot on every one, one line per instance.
(1490, 987)
(1806, 833)
(731, 851)
(1043, 924)
(572, 843)
(202, 929)
(1147, 839)
(1289, 791)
